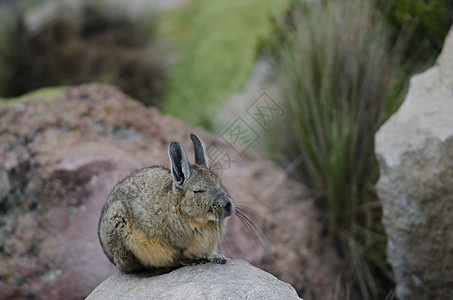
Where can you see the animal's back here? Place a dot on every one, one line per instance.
(147, 184)
(133, 211)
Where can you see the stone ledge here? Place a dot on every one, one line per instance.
(236, 279)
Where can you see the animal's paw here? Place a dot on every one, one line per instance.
(193, 262)
(218, 259)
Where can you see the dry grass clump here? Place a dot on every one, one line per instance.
(93, 43)
(339, 78)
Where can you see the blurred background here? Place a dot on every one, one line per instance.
(337, 69)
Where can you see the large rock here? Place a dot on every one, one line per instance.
(234, 280)
(415, 152)
(59, 160)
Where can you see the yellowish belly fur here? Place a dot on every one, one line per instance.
(156, 253)
(152, 252)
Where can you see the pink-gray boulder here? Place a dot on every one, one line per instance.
(59, 160)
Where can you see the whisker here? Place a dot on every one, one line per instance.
(253, 223)
(226, 245)
(223, 238)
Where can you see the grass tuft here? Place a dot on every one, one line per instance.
(340, 78)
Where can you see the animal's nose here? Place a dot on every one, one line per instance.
(230, 208)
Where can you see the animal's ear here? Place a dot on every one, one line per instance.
(200, 153)
(180, 169)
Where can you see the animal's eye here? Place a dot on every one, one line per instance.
(199, 191)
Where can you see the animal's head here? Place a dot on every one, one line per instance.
(203, 197)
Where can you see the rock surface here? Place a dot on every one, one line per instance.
(234, 280)
(59, 160)
(415, 152)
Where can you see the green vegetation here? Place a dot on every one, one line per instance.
(47, 93)
(216, 46)
(423, 24)
(339, 79)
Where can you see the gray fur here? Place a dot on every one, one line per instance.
(147, 223)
